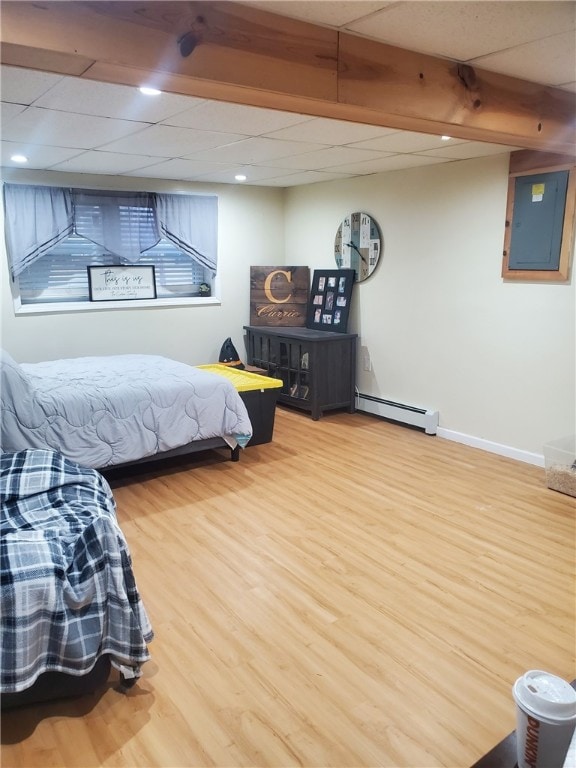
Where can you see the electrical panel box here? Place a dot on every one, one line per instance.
(539, 205)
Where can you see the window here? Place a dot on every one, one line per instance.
(61, 275)
(54, 234)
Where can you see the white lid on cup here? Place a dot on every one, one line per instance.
(546, 695)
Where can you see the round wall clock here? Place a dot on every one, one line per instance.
(358, 244)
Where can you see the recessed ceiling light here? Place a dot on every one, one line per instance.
(446, 138)
(19, 159)
(147, 91)
(240, 177)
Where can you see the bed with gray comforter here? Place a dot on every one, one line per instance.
(113, 410)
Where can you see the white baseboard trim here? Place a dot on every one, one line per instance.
(487, 445)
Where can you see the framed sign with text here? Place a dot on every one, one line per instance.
(121, 283)
(329, 304)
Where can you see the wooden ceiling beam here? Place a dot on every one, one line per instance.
(463, 101)
(231, 52)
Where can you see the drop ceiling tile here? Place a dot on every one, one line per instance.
(39, 157)
(304, 177)
(323, 158)
(23, 86)
(333, 14)
(251, 121)
(167, 141)
(89, 97)
(96, 161)
(391, 163)
(64, 129)
(550, 61)
(328, 131)
(8, 111)
(465, 29)
(256, 150)
(468, 150)
(404, 141)
(227, 176)
(178, 169)
(254, 175)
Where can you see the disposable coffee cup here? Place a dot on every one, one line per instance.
(545, 719)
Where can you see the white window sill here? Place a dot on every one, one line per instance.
(97, 306)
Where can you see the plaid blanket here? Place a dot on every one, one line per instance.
(67, 589)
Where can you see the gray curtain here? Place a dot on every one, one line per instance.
(36, 219)
(123, 223)
(190, 222)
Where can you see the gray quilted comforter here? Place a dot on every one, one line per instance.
(103, 411)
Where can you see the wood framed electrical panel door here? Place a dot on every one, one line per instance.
(539, 237)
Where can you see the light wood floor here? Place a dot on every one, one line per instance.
(353, 594)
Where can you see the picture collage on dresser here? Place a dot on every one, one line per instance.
(330, 299)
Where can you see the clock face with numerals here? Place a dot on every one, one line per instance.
(358, 244)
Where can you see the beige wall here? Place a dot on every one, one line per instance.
(443, 330)
(250, 231)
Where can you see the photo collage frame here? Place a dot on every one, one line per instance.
(329, 303)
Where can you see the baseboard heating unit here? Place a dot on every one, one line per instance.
(403, 414)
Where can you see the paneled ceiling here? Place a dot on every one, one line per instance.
(74, 125)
